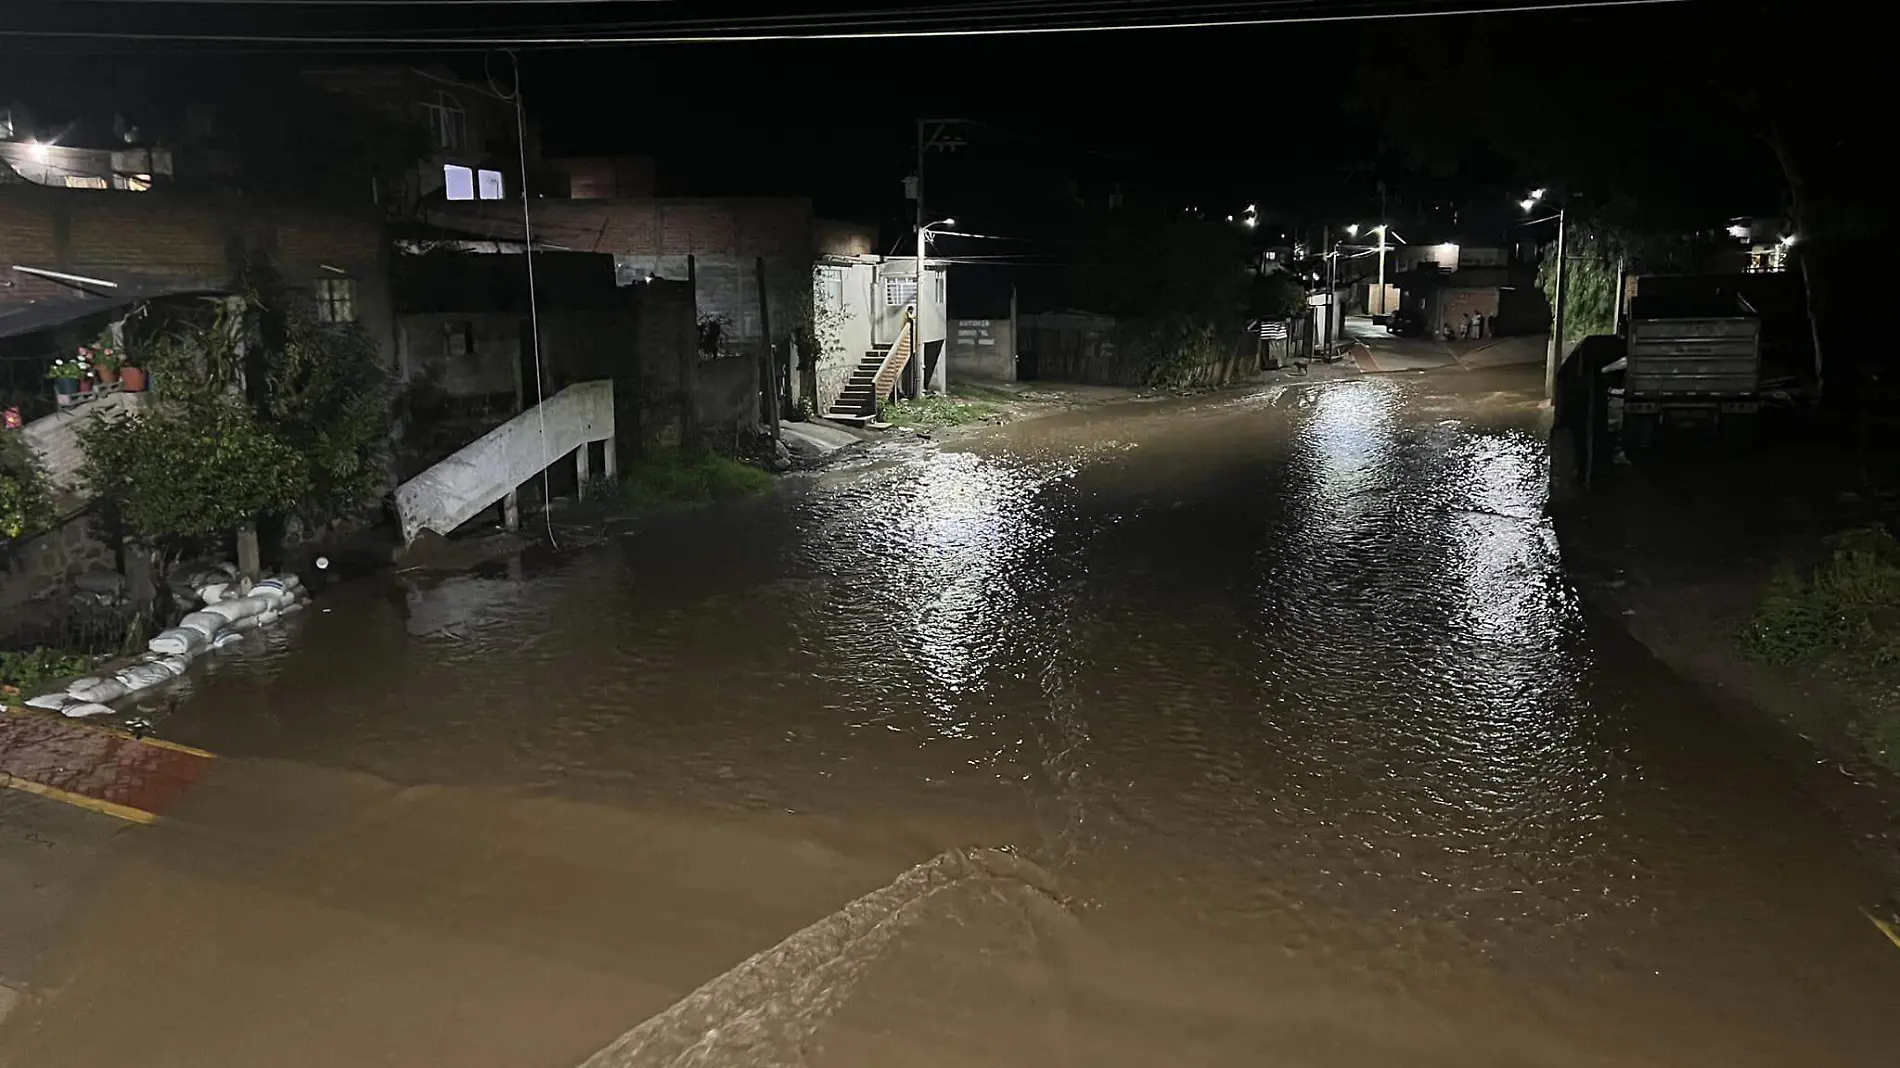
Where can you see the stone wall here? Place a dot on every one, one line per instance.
(48, 560)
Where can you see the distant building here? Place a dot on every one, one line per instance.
(76, 157)
(1445, 283)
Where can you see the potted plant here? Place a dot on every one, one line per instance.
(66, 374)
(105, 359)
(131, 379)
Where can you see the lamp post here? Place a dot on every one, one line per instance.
(1383, 310)
(1553, 355)
(917, 324)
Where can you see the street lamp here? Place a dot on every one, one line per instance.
(1353, 230)
(917, 322)
(1554, 353)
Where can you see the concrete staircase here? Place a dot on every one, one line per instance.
(876, 375)
(488, 469)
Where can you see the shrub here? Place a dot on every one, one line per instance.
(667, 479)
(26, 672)
(26, 502)
(176, 473)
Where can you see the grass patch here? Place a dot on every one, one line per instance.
(24, 674)
(1847, 608)
(663, 480)
(931, 413)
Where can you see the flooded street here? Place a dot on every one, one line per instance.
(1259, 728)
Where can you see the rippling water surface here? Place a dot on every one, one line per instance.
(1257, 729)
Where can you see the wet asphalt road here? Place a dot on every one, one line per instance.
(1250, 729)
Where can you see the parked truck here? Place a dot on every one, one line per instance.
(1691, 373)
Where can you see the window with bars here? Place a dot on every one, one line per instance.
(86, 181)
(899, 292)
(336, 300)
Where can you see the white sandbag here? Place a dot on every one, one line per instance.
(79, 684)
(265, 619)
(212, 593)
(80, 711)
(52, 702)
(239, 607)
(273, 589)
(229, 637)
(294, 606)
(177, 641)
(140, 676)
(205, 623)
(100, 692)
(177, 665)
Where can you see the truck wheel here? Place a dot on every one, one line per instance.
(1639, 431)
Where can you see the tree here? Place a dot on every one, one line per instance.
(259, 411)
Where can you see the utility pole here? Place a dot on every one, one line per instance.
(917, 321)
(1326, 247)
(1556, 353)
(1383, 310)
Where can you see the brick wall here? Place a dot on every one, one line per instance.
(167, 235)
(655, 237)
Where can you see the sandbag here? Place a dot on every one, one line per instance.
(238, 607)
(52, 702)
(212, 593)
(140, 676)
(274, 589)
(229, 637)
(79, 684)
(176, 641)
(177, 665)
(205, 623)
(80, 711)
(266, 618)
(101, 691)
(294, 606)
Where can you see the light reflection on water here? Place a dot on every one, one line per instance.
(1296, 675)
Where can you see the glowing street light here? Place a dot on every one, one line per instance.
(1353, 230)
(37, 151)
(1788, 240)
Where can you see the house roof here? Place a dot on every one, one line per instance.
(58, 311)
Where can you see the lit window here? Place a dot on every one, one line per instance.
(139, 183)
(899, 291)
(459, 182)
(86, 181)
(448, 123)
(488, 184)
(939, 287)
(336, 300)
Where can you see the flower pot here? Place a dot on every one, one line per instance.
(132, 379)
(106, 375)
(65, 391)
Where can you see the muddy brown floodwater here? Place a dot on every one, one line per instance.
(1256, 729)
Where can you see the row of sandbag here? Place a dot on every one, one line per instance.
(231, 608)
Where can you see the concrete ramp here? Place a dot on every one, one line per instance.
(491, 467)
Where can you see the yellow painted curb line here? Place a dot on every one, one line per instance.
(100, 728)
(54, 793)
(1885, 927)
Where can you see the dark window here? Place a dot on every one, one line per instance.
(448, 123)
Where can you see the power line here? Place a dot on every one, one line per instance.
(524, 40)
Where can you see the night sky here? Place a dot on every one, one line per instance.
(1305, 119)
